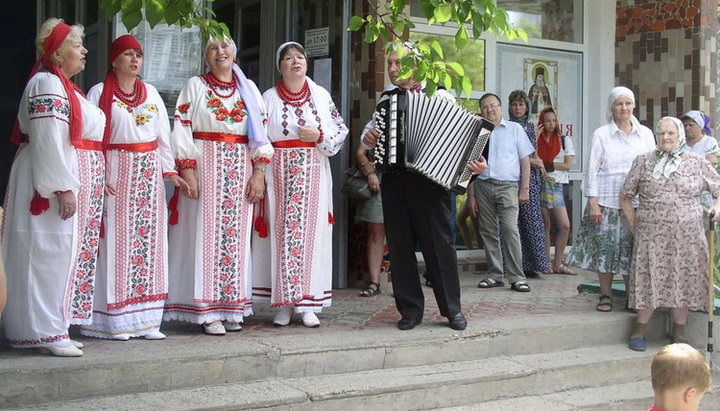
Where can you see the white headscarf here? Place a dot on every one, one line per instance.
(667, 163)
(283, 47)
(615, 94)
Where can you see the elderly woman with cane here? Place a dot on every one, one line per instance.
(670, 255)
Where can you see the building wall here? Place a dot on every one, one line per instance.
(665, 51)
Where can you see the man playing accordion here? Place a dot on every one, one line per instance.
(417, 211)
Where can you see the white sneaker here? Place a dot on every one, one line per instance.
(232, 326)
(214, 329)
(77, 344)
(309, 319)
(154, 335)
(69, 351)
(121, 337)
(283, 316)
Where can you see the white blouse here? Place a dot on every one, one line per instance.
(144, 123)
(611, 156)
(44, 116)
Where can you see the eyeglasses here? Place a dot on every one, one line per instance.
(489, 106)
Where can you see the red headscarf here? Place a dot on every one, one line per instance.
(119, 46)
(547, 150)
(51, 44)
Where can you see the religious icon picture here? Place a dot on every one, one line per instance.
(540, 78)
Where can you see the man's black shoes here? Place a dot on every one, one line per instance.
(408, 323)
(457, 322)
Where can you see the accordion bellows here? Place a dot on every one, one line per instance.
(432, 136)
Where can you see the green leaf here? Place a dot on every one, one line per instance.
(154, 12)
(443, 13)
(405, 72)
(111, 7)
(522, 34)
(430, 87)
(457, 67)
(371, 34)
(437, 49)
(429, 11)
(355, 23)
(131, 19)
(447, 80)
(461, 38)
(172, 14)
(419, 75)
(424, 48)
(466, 86)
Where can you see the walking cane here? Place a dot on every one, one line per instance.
(711, 290)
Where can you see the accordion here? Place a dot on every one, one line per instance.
(431, 136)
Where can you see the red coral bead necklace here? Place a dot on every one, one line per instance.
(292, 98)
(215, 83)
(132, 99)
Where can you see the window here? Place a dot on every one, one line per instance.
(547, 19)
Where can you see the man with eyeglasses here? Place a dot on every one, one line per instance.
(496, 193)
(416, 210)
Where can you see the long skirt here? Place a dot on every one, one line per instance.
(606, 248)
(50, 262)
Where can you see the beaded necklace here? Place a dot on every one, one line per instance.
(291, 98)
(215, 83)
(132, 99)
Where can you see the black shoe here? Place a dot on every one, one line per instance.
(426, 276)
(458, 322)
(408, 323)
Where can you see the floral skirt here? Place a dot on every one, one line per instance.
(606, 248)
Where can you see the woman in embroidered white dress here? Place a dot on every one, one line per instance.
(54, 201)
(221, 147)
(131, 285)
(293, 267)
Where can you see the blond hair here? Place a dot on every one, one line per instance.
(77, 32)
(680, 366)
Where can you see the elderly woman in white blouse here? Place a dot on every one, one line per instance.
(293, 266)
(604, 242)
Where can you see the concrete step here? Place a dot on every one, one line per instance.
(632, 396)
(136, 367)
(418, 387)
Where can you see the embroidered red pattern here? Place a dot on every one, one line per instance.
(297, 177)
(186, 163)
(139, 237)
(81, 283)
(226, 222)
(39, 341)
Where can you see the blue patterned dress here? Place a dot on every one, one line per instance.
(530, 222)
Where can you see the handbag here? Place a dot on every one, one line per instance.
(356, 184)
(547, 190)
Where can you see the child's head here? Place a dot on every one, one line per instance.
(680, 370)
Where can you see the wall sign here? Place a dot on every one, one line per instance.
(316, 42)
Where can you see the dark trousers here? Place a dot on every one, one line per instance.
(417, 211)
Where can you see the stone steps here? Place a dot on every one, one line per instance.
(337, 368)
(425, 386)
(631, 396)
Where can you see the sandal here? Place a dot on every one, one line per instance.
(604, 304)
(370, 291)
(520, 286)
(490, 283)
(563, 269)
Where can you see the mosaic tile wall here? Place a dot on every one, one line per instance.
(665, 51)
